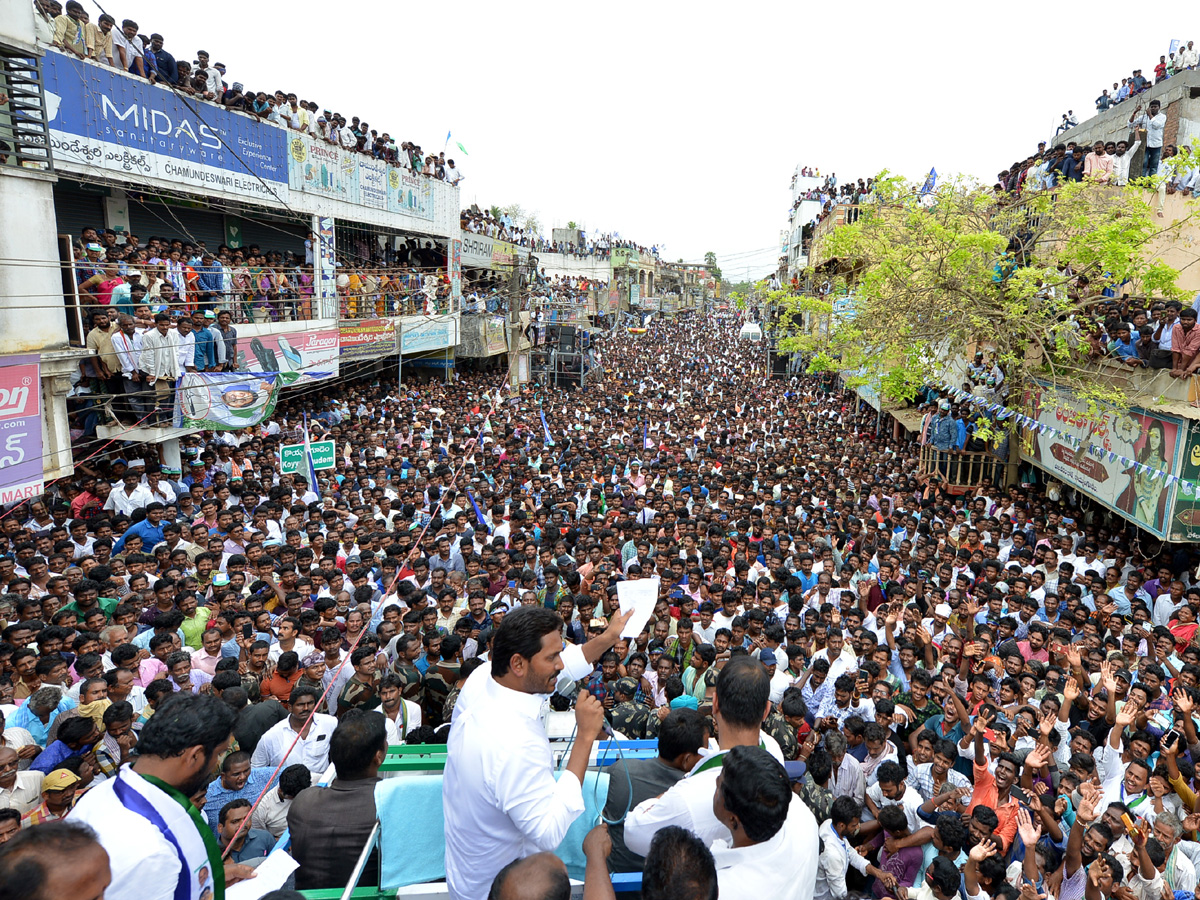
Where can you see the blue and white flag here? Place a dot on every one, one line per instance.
(930, 182)
(478, 513)
(312, 473)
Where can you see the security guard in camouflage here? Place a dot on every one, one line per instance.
(629, 718)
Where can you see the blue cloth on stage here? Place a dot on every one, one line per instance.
(412, 830)
(412, 834)
(595, 793)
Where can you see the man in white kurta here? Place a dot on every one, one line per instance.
(500, 798)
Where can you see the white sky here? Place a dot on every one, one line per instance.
(679, 123)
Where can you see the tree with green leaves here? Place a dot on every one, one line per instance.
(520, 216)
(710, 263)
(917, 281)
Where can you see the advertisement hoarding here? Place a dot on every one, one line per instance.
(1185, 514)
(366, 338)
(297, 356)
(21, 463)
(1137, 451)
(225, 401)
(103, 119)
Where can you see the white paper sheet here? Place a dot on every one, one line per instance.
(269, 876)
(640, 596)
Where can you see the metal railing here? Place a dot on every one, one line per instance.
(961, 468)
(23, 121)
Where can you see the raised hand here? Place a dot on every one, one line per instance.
(1046, 725)
(1106, 676)
(983, 850)
(1090, 796)
(1039, 757)
(1183, 701)
(1073, 657)
(1070, 691)
(1028, 828)
(1128, 714)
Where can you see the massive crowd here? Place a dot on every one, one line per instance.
(131, 49)
(970, 696)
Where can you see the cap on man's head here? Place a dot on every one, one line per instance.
(59, 780)
(626, 685)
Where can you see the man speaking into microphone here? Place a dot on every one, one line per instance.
(500, 798)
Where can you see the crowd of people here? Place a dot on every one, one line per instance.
(181, 275)
(832, 194)
(1110, 162)
(496, 223)
(129, 48)
(914, 692)
(1178, 60)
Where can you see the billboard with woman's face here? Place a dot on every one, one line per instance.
(1137, 451)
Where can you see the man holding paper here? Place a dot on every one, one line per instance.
(500, 798)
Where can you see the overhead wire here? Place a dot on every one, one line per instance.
(289, 395)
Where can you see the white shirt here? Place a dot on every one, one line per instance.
(837, 855)
(500, 799)
(849, 779)
(271, 813)
(25, 794)
(145, 865)
(15, 738)
(121, 502)
(910, 802)
(1154, 128)
(160, 354)
(687, 804)
(129, 349)
(187, 350)
(782, 868)
(312, 752)
(393, 725)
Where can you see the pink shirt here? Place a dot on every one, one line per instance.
(1098, 168)
(1185, 343)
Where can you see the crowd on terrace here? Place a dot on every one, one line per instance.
(126, 46)
(182, 275)
(496, 223)
(1178, 60)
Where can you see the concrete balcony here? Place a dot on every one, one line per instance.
(1180, 100)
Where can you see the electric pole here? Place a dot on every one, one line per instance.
(514, 330)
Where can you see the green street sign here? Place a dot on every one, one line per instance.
(291, 459)
(324, 454)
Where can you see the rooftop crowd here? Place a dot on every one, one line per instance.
(1178, 60)
(833, 193)
(966, 695)
(505, 228)
(126, 46)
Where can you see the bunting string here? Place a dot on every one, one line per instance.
(1003, 413)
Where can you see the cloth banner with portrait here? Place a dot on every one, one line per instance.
(225, 401)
